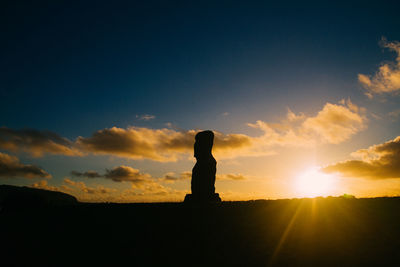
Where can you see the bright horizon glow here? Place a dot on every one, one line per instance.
(313, 183)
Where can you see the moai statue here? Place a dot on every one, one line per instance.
(203, 173)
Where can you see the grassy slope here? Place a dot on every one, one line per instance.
(307, 232)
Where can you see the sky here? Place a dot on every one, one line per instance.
(102, 100)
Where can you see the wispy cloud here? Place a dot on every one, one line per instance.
(11, 167)
(145, 117)
(231, 176)
(387, 78)
(394, 114)
(376, 162)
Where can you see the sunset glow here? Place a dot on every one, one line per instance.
(312, 183)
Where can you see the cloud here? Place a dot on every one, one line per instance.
(117, 174)
(88, 174)
(134, 142)
(376, 116)
(141, 183)
(150, 191)
(376, 162)
(126, 174)
(394, 114)
(155, 144)
(43, 184)
(81, 190)
(334, 124)
(387, 78)
(138, 180)
(35, 142)
(145, 117)
(137, 143)
(231, 176)
(171, 177)
(86, 189)
(11, 167)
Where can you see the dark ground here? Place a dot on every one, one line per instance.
(298, 232)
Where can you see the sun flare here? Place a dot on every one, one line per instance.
(313, 183)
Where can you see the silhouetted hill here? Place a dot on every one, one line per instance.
(16, 197)
(297, 232)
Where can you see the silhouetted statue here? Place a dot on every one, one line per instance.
(203, 173)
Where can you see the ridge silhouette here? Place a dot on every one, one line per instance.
(203, 172)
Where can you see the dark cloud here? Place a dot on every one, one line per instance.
(11, 167)
(171, 177)
(117, 174)
(377, 162)
(126, 173)
(141, 182)
(35, 142)
(88, 174)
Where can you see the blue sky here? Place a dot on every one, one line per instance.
(76, 68)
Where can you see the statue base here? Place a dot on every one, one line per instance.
(213, 198)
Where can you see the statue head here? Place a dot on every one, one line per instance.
(203, 144)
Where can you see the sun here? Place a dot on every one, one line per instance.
(313, 183)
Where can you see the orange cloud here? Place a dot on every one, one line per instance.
(11, 167)
(137, 143)
(387, 78)
(43, 184)
(155, 144)
(148, 191)
(86, 189)
(334, 124)
(376, 162)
